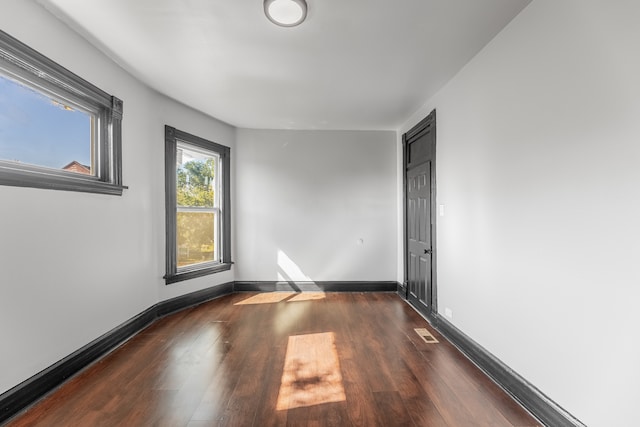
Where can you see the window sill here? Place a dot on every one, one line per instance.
(200, 272)
(36, 177)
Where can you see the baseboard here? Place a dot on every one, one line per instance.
(540, 406)
(21, 396)
(164, 308)
(31, 390)
(321, 286)
(28, 392)
(401, 290)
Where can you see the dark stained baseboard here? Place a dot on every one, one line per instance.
(28, 392)
(539, 405)
(172, 305)
(322, 286)
(401, 289)
(23, 395)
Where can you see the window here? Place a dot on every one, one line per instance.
(197, 202)
(57, 130)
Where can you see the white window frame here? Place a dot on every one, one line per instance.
(216, 209)
(27, 66)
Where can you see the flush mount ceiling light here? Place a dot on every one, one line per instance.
(286, 13)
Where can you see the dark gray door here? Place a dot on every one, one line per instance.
(419, 161)
(419, 235)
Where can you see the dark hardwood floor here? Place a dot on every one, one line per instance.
(275, 359)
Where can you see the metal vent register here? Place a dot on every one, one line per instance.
(426, 335)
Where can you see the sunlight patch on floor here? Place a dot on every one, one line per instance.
(276, 297)
(266, 298)
(307, 296)
(311, 374)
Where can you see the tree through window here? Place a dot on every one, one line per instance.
(198, 209)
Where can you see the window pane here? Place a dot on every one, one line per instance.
(38, 130)
(195, 177)
(195, 237)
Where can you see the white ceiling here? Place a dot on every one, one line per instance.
(353, 64)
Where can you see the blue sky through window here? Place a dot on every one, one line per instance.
(34, 129)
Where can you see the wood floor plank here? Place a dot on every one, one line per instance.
(450, 407)
(360, 399)
(269, 389)
(222, 363)
(424, 413)
(390, 409)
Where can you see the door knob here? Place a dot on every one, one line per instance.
(428, 251)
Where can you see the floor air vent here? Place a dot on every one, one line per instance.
(426, 335)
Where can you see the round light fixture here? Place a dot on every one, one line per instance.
(286, 13)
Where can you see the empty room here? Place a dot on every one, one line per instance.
(319, 213)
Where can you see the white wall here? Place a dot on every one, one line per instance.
(305, 198)
(95, 260)
(537, 166)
